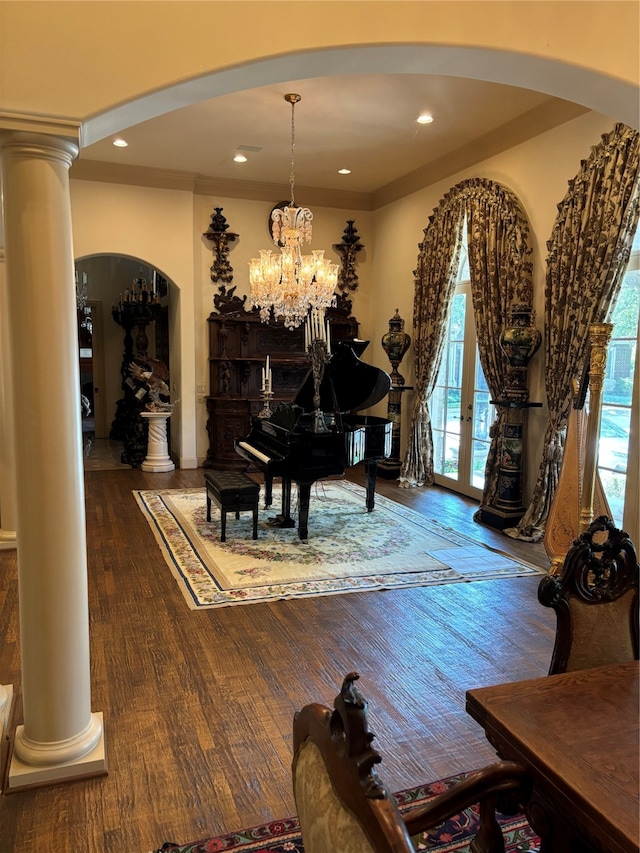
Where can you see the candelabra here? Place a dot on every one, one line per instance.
(265, 411)
(317, 338)
(320, 357)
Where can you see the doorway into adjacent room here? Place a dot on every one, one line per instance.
(91, 353)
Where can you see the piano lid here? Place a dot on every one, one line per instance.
(348, 385)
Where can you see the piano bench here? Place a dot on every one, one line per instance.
(231, 492)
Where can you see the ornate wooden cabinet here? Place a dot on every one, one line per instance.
(238, 346)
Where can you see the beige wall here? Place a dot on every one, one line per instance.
(164, 228)
(156, 226)
(570, 49)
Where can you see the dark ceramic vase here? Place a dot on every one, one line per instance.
(519, 342)
(395, 343)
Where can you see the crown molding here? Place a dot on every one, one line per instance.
(141, 176)
(27, 123)
(146, 176)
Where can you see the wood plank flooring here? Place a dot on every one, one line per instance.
(198, 706)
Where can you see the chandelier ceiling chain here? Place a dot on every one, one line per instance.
(288, 285)
(293, 100)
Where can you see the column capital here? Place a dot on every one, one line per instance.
(42, 133)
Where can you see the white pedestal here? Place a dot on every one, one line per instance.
(157, 458)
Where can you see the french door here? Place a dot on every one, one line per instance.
(461, 413)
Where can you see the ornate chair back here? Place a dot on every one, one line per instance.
(342, 803)
(595, 598)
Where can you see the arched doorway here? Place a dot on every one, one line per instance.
(107, 345)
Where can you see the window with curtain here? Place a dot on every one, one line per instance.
(615, 453)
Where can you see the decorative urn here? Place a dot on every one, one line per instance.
(519, 342)
(395, 343)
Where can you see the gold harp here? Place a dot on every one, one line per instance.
(579, 496)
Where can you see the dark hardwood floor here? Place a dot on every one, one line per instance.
(198, 706)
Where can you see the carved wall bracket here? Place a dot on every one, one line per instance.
(348, 277)
(217, 233)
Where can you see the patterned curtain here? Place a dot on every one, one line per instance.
(501, 276)
(588, 252)
(435, 276)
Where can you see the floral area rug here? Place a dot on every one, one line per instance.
(283, 836)
(348, 549)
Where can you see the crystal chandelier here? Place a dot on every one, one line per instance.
(289, 284)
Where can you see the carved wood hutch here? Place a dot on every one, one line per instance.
(238, 346)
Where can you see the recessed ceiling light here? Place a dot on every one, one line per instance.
(425, 118)
(239, 158)
(344, 171)
(120, 143)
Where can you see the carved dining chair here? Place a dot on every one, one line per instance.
(344, 806)
(595, 598)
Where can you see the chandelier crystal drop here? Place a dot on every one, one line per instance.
(289, 283)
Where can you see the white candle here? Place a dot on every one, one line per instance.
(154, 281)
(263, 378)
(328, 338)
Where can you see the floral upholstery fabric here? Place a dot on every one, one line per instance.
(326, 825)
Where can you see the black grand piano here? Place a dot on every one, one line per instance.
(286, 445)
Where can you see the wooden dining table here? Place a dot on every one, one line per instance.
(577, 734)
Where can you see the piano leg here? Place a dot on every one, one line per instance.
(371, 469)
(268, 490)
(304, 496)
(284, 519)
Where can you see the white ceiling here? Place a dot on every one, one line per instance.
(363, 122)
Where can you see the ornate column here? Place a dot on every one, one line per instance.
(61, 738)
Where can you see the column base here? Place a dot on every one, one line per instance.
(500, 518)
(22, 776)
(8, 540)
(158, 467)
(6, 702)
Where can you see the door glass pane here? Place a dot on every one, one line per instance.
(615, 421)
(483, 417)
(446, 399)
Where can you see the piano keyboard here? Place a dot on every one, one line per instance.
(254, 451)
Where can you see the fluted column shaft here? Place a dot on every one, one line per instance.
(59, 727)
